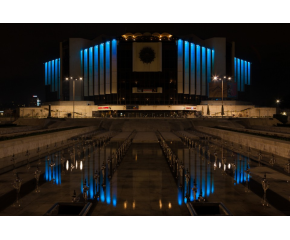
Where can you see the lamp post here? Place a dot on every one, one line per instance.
(222, 79)
(277, 102)
(74, 79)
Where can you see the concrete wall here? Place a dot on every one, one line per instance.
(20, 145)
(277, 147)
(18, 129)
(85, 110)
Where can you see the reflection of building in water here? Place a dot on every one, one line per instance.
(53, 173)
(201, 171)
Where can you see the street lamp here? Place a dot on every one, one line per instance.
(74, 79)
(222, 79)
(277, 102)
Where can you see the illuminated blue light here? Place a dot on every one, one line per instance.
(91, 181)
(96, 70)
(180, 197)
(192, 69)
(49, 74)
(86, 79)
(208, 181)
(108, 68)
(52, 76)
(102, 79)
(242, 76)
(114, 66)
(45, 73)
(59, 78)
(246, 72)
(212, 61)
(180, 66)
(91, 84)
(235, 63)
(186, 68)
(56, 75)
(249, 73)
(203, 178)
(238, 75)
(46, 169)
(208, 68)
(203, 74)
(198, 70)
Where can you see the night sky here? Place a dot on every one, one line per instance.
(25, 47)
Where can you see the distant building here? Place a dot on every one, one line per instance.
(34, 101)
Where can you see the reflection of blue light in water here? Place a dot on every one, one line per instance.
(179, 196)
(91, 182)
(208, 181)
(238, 169)
(114, 202)
(46, 169)
(114, 195)
(56, 170)
(185, 200)
(108, 195)
(203, 180)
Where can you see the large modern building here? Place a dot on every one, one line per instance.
(146, 69)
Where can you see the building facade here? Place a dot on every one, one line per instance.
(146, 69)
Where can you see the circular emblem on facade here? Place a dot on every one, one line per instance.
(147, 55)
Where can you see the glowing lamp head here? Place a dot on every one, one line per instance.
(66, 79)
(215, 78)
(277, 101)
(229, 78)
(81, 78)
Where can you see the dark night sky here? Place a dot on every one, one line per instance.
(25, 47)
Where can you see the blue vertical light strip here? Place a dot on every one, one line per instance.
(238, 75)
(49, 74)
(198, 176)
(46, 169)
(56, 74)
(102, 77)
(208, 70)
(91, 177)
(45, 73)
(186, 68)
(203, 73)
(52, 76)
(212, 62)
(180, 66)
(238, 169)
(56, 170)
(192, 69)
(235, 73)
(249, 73)
(203, 178)
(191, 175)
(91, 84)
(114, 66)
(86, 79)
(108, 190)
(108, 67)
(59, 78)
(198, 70)
(59, 169)
(246, 72)
(82, 62)
(208, 180)
(49, 168)
(242, 76)
(96, 70)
